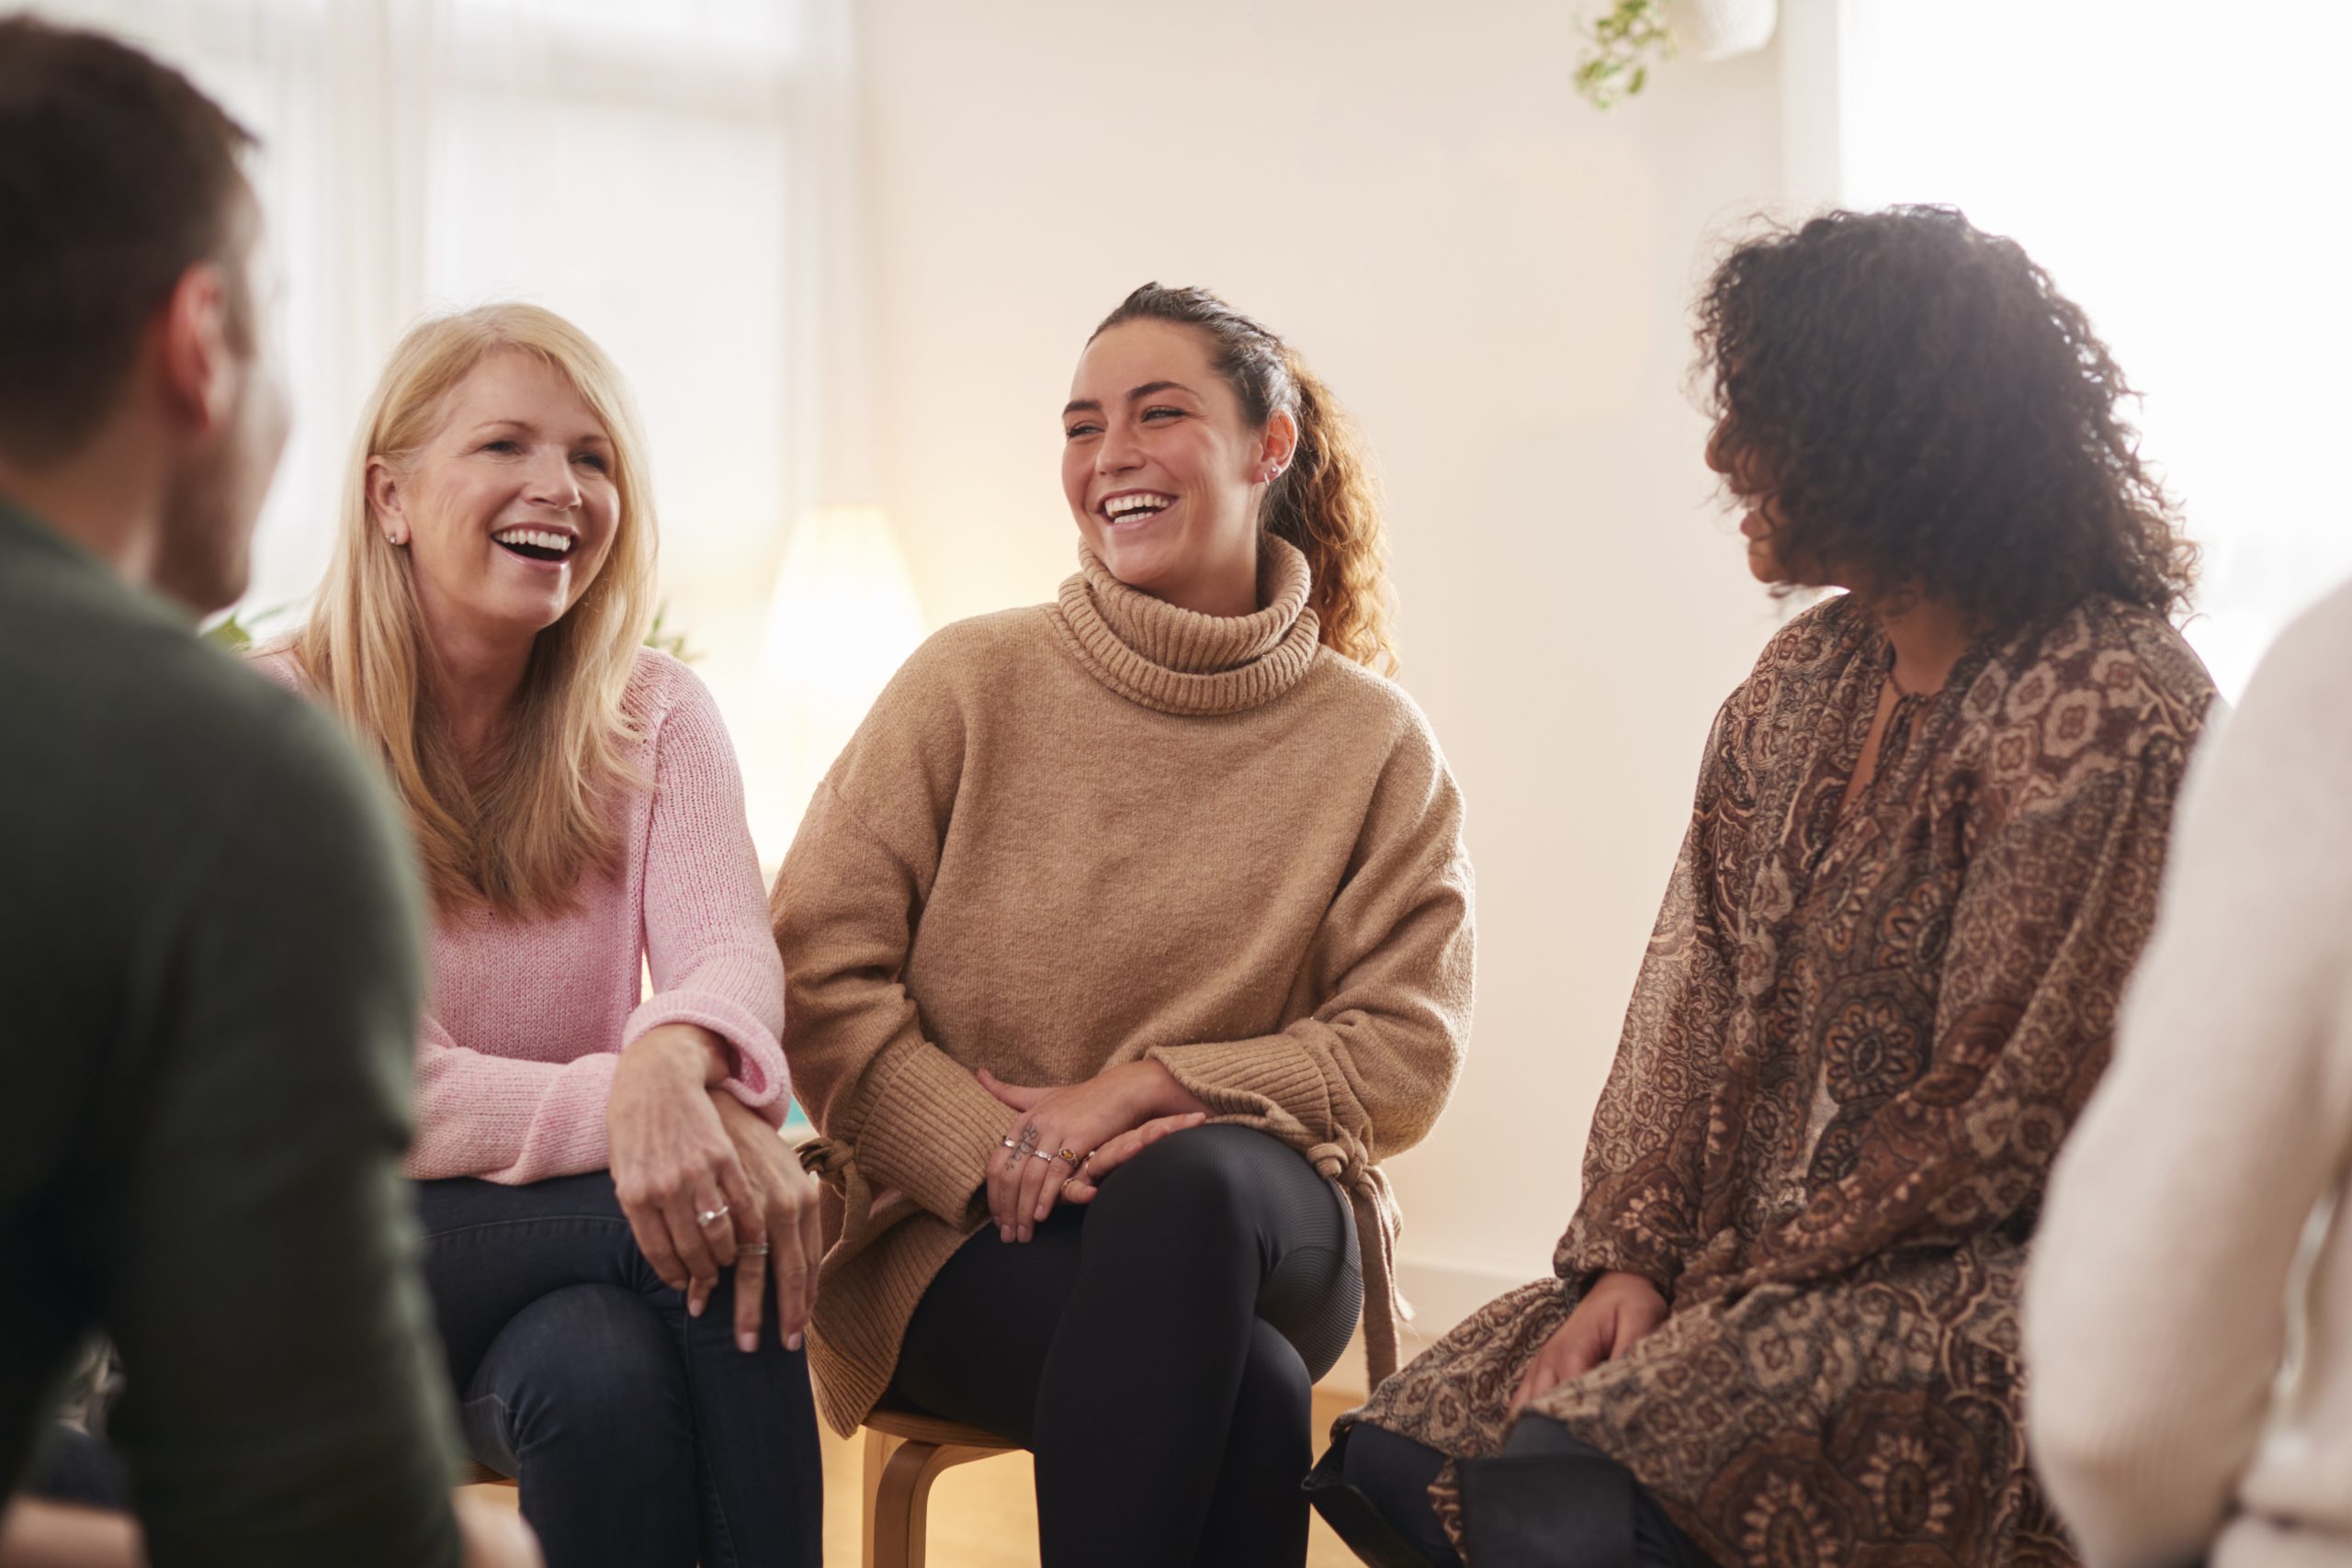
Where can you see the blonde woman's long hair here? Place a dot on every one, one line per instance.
(517, 840)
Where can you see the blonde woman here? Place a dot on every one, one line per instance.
(593, 1160)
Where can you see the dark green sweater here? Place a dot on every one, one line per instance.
(209, 974)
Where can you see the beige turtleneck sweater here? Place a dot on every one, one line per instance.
(1075, 835)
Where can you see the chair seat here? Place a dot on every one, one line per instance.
(479, 1474)
(897, 1421)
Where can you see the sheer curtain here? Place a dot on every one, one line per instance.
(2178, 170)
(681, 179)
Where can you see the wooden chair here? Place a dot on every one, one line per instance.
(905, 1452)
(481, 1474)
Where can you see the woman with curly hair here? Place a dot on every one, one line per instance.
(1125, 938)
(1924, 855)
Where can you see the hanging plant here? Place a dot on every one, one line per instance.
(1621, 44)
(1632, 36)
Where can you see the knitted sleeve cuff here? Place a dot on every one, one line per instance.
(929, 1129)
(756, 1075)
(1242, 1078)
(504, 1121)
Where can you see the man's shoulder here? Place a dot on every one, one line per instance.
(169, 814)
(118, 702)
(158, 689)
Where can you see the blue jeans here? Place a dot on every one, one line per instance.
(642, 1438)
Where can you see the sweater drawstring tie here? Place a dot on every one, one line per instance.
(834, 1163)
(1378, 1220)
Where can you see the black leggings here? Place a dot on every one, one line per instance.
(1155, 1349)
(1549, 1500)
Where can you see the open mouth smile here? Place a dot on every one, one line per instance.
(545, 544)
(1134, 507)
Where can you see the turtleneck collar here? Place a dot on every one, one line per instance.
(1182, 662)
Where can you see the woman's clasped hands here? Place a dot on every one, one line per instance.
(1066, 1140)
(786, 1220)
(706, 1182)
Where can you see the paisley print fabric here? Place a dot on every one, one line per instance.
(1857, 1040)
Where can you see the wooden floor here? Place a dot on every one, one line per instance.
(984, 1514)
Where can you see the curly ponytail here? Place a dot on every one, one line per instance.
(1326, 501)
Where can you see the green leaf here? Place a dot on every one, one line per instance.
(662, 640)
(1623, 42)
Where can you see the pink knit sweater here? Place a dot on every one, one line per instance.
(527, 1020)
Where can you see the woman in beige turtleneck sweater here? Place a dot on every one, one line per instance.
(1125, 940)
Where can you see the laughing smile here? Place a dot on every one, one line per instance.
(536, 544)
(1134, 506)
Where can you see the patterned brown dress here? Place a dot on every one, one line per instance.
(1854, 1046)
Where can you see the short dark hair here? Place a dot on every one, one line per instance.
(116, 176)
(1931, 414)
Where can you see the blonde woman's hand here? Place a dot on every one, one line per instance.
(35, 1533)
(1080, 1119)
(673, 1161)
(494, 1534)
(784, 1216)
(1617, 1313)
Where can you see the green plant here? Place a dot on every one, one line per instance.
(1621, 44)
(672, 643)
(237, 633)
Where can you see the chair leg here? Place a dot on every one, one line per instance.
(877, 1455)
(903, 1498)
(898, 1473)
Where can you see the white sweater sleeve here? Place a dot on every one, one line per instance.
(2155, 1309)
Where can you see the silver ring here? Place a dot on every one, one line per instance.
(752, 1249)
(711, 1216)
(1008, 1143)
(1040, 1154)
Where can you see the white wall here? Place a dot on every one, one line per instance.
(1496, 279)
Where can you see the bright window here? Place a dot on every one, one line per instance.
(677, 178)
(2179, 169)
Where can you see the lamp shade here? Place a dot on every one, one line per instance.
(841, 620)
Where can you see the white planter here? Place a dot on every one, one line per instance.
(1717, 30)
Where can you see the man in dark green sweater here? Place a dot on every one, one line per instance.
(209, 949)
